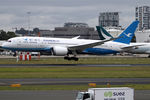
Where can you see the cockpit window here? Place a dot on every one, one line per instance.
(9, 41)
(79, 96)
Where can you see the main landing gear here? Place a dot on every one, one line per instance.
(67, 57)
(71, 58)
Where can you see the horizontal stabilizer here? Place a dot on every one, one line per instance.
(132, 47)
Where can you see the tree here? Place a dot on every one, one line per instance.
(22, 31)
(36, 30)
(6, 36)
(3, 35)
(10, 34)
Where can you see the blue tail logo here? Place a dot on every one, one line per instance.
(127, 35)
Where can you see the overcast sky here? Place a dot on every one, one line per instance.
(47, 14)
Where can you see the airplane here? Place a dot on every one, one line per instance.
(1, 42)
(116, 46)
(135, 48)
(100, 29)
(57, 46)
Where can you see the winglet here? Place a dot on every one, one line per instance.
(76, 37)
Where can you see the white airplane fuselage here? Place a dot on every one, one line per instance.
(45, 44)
(143, 49)
(116, 47)
(42, 43)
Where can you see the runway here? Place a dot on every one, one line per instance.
(69, 94)
(75, 65)
(75, 81)
(57, 95)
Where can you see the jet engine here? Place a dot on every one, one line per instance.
(59, 51)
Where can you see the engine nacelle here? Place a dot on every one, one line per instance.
(59, 51)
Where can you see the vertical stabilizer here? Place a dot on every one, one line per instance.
(105, 32)
(127, 35)
(100, 33)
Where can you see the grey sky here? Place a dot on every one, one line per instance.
(47, 14)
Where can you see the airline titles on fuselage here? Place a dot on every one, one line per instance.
(32, 40)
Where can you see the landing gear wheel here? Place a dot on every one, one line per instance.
(71, 58)
(67, 58)
(76, 59)
(15, 54)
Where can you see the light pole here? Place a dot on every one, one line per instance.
(28, 22)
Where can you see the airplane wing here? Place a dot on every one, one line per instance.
(132, 47)
(84, 46)
(76, 37)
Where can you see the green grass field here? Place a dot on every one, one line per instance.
(89, 60)
(76, 72)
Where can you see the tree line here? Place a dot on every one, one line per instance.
(6, 35)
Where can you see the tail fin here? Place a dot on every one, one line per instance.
(100, 29)
(127, 35)
(105, 32)
(100, 33)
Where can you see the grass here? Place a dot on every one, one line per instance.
(72, 87)
(75, 72)
(89, 60)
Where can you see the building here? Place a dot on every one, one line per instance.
(71, 24)
(109, 19)
(46, 33)
(142, 14)
(70, 30)
(143, 36)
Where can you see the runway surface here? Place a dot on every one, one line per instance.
(68, 94)
(76, 81)
(57, 95)
(76, 65)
